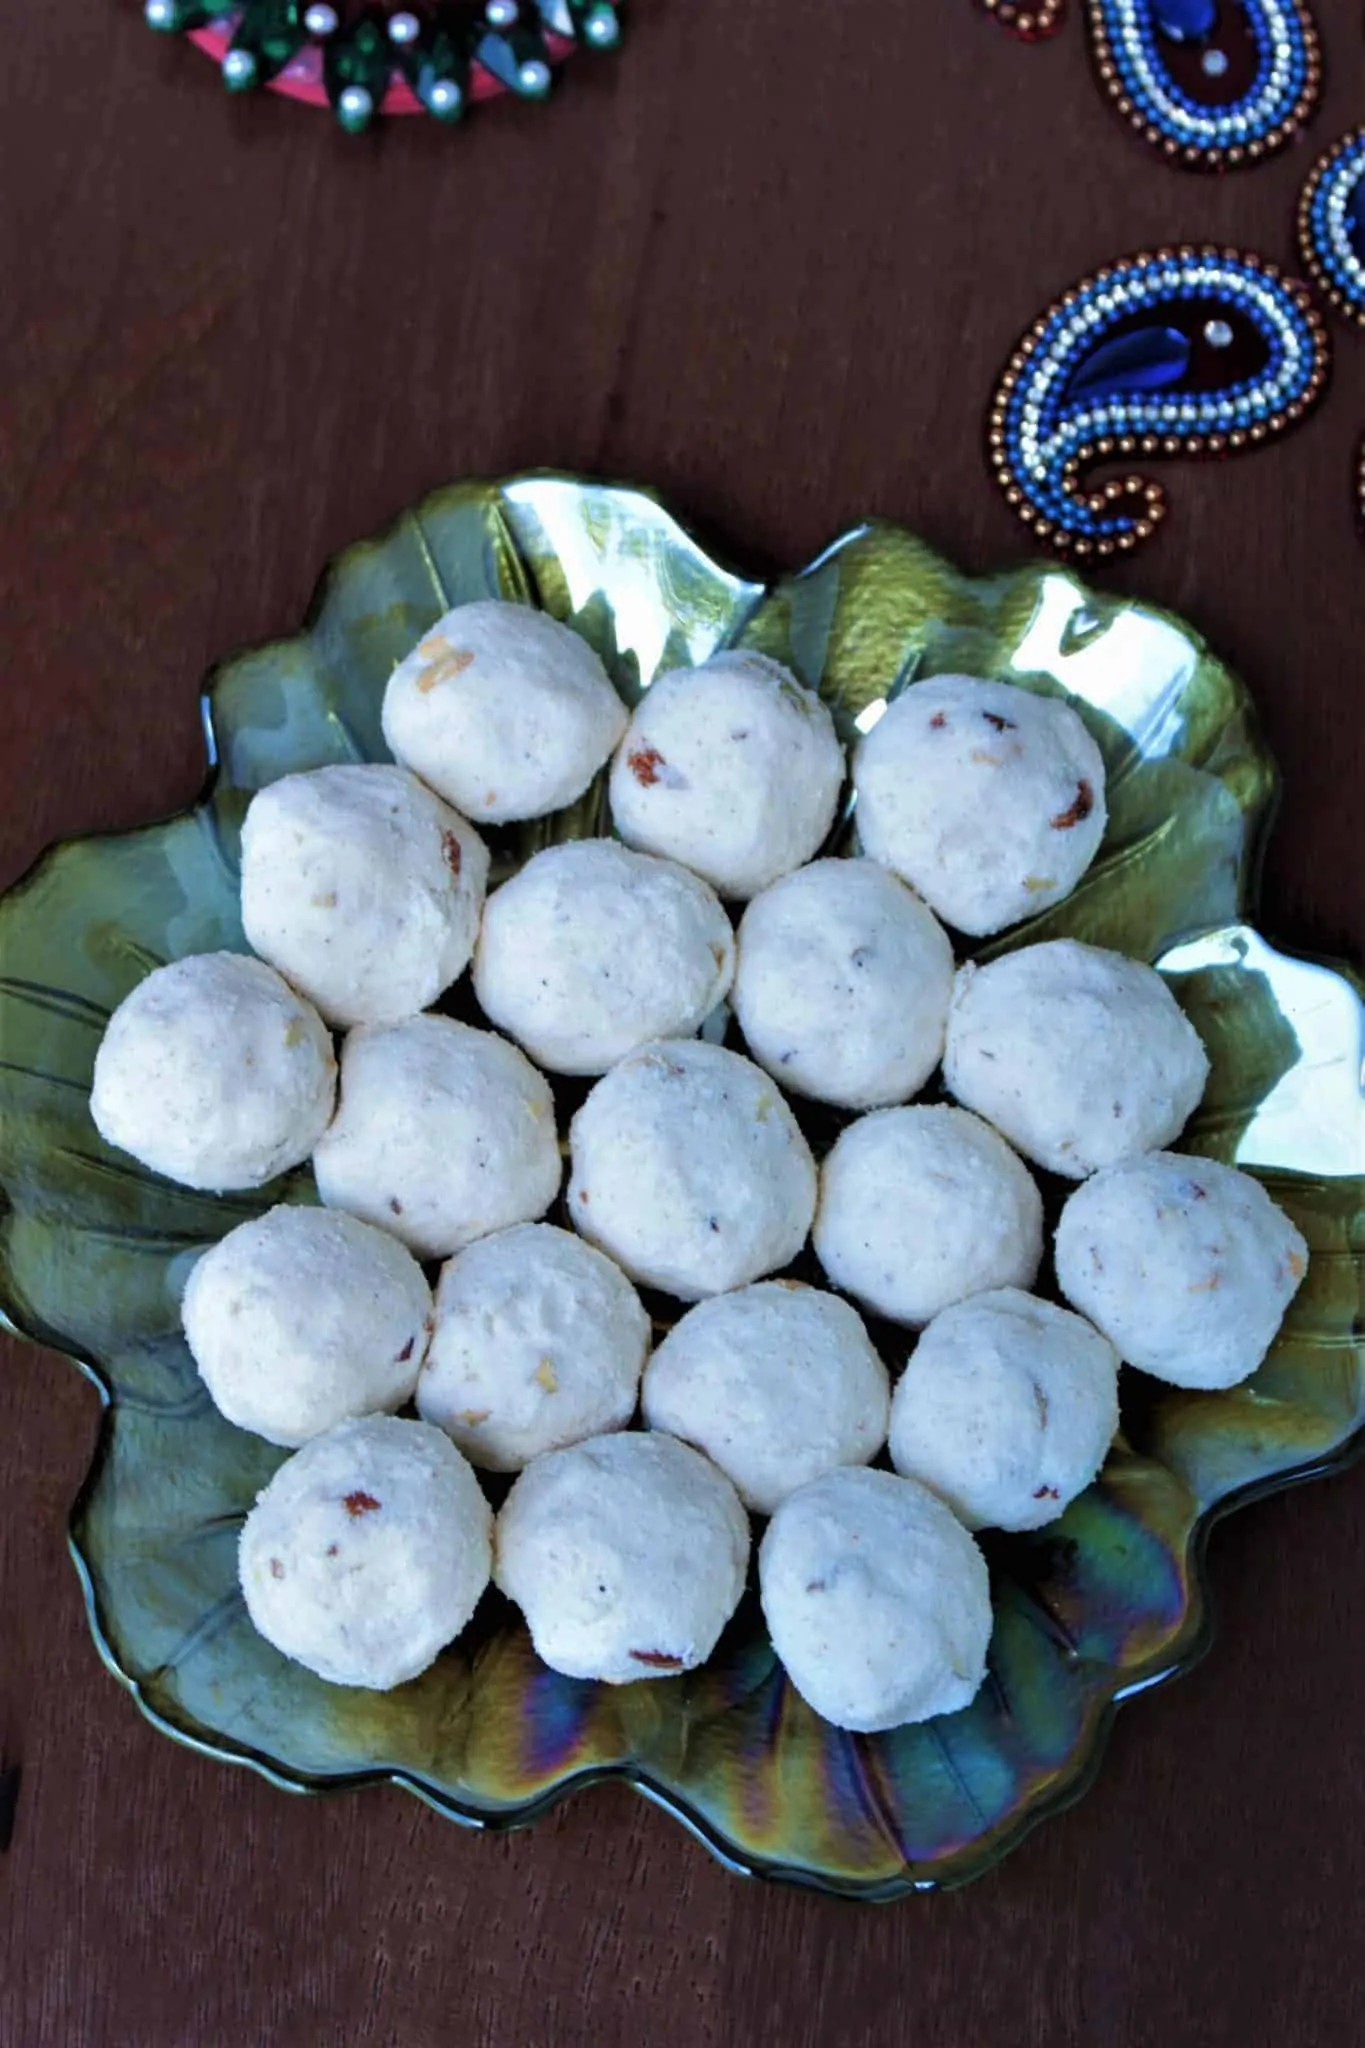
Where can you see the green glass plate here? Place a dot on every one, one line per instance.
(1107, 1601)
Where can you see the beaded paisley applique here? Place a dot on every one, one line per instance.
(435, 59)
(1189, 351)
(1332, 243)
(1212, 84)
(1332, 224)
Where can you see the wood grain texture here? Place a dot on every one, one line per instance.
(770, 261)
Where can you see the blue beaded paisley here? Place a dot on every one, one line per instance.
(1131, 362)
(1332, 224)
(1137, 42)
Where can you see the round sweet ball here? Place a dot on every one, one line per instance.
(362, 888)
(921, 1207)
(776, 1383)
(626, 1554)
(302, 1318)
(733, 768)
(1006, 1409)
(689, 1170)
(504, 711)
(877, 1600)
(592, 950)
(214, 1073)
(443, 1134)
(368, 1552)
(990, 800)
(539, 1342)
(843, 983)
(1186, 1265)
(1080, 1056)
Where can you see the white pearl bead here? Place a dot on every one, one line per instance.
(321, 20)
(533, 76)
(355, 103)
(159, 14)
(602, 27)
(500, 13)
(238, 67)
(404, 28)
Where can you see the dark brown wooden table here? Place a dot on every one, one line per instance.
(770, 262)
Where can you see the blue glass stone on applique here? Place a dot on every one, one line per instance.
(1212, 84)
(1146, 359)
(1174, 352)
(1186, 19)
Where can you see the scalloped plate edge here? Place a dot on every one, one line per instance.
(1195, 1639)
(1181, 1655)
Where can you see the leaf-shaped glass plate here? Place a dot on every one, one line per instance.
(93, 1252)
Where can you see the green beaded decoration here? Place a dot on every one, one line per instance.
(429, 49)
